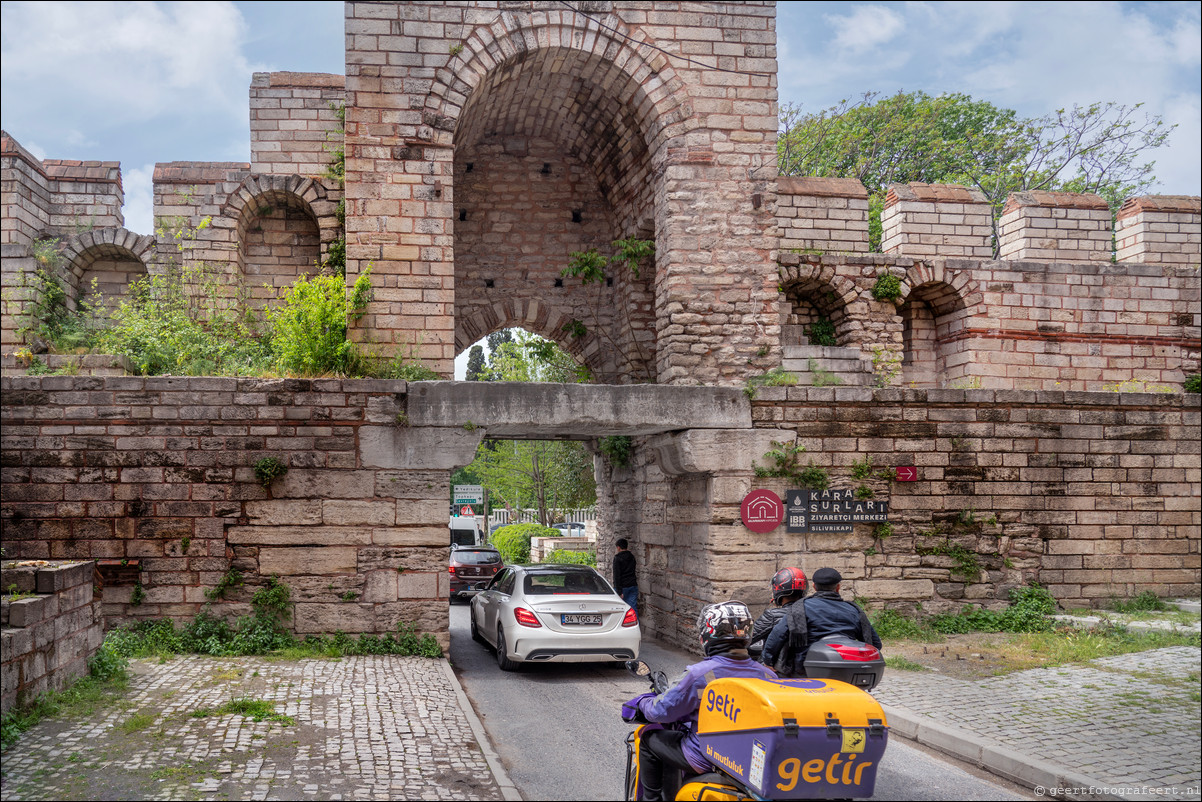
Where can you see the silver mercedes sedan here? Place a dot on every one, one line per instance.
(553, 613)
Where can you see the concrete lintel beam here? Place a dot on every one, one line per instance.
(417, 448)
(714, 451)
(538, 411)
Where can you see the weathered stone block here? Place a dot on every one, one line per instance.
(411, 536)
(348, 617)
(380, 586)
(284, 512)
(360, 513)
(414, 585)
(880, 589)
(300, 535)
(55, 578)
(307, 561)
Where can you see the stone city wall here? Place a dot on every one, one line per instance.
(996, 324)
(50, 634)
(162, 470)
(1094, 495)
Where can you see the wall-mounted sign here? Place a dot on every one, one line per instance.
(831, 511)
(762, 511)
(909, 474)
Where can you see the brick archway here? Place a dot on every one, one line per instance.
(113, 257)
(283, 228)
(554, 146)
(933, 314)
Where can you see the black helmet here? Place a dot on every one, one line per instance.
(787, 582)
(724, 625)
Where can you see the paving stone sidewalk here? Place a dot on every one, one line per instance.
(1126, 725)
(379, 727)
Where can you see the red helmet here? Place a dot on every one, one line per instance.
(787, 582)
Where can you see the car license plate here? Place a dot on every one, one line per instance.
(580, 618)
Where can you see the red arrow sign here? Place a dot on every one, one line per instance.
(908, 474)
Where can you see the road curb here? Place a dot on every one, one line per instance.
(508, 789)
(1016, 767)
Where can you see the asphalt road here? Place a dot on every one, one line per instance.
(557, 728)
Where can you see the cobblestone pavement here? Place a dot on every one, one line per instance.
(1127, 722)
(363, 728)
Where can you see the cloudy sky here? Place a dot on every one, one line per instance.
(155, 82)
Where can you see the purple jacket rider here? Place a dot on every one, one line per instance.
(682, 702)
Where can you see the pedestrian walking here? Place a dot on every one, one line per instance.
(625, 578)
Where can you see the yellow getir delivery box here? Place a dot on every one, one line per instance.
(794, 738)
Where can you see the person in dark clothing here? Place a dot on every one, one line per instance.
(723, 630)
(812, 619)
(788, 585)
(625, 579)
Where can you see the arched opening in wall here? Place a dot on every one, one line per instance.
(931, 317)
(813, 314)
(538, 502)
(105, 275)
(278, 241)
(552, 168)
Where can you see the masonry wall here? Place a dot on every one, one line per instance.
(49, 636)
(1006, 325)
(242, 231)
(1094, 495)
(523, 209)
(162, 470)
(822, 215)
(294, 124)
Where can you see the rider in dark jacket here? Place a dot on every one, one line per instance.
(788, 585)
(825, 613)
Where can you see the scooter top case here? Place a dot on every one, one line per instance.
(847, 660)
(794, 738)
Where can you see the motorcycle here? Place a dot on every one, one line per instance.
(821, 736)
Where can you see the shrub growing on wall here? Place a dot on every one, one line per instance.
(309, 329)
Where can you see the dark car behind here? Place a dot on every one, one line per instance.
(470, 566)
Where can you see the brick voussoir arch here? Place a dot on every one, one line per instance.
(83, 249)
(811, 274)
(947, 291)
(312, 195)
(491, 45)
(538, 318)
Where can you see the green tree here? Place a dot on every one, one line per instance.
(475, 364)
(953, 139)
(548, 475)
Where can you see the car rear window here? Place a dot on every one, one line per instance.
(575, 582)
(469, 557)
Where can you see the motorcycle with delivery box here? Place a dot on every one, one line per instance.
(817, 737)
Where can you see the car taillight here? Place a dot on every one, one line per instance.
(859, 653)
(451, 569)
(525, 617)
(631, 619)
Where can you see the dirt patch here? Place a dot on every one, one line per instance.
(976, 655)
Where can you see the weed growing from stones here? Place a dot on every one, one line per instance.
(261, 633)
(617, 449)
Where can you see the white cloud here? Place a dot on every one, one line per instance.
(865, 27)
(121, 61)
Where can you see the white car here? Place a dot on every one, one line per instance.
(554, 614)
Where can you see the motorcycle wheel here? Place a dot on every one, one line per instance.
(503, 660)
